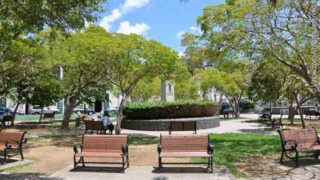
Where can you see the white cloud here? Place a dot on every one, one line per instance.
(138, 28)
(180, 34)
(107, 20)
(133, 4)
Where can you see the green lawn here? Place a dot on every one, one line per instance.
(230, 149)
(35, 118)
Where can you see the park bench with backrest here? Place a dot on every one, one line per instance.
(92, 126)
(48, 116)
(277, 122)
(100, 147)
(185, 146)
(297, 141)
(11, 143)
(311, 113)
(7, 121)
(183, 126)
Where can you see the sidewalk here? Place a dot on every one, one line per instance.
(142, 173)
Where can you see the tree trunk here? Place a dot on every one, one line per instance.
(291, 113)
(69, 107)
(236, 107)
(15, 112)
(300, 112)
(120, 114)
(41, 114)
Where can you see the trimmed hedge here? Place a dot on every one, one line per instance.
(164, 110)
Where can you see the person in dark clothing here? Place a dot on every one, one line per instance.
(107, 122)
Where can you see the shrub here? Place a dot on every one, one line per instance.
(177, 109)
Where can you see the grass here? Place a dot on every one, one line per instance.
(35, 118)
(143, 140)
(230, 149)
(132, 140)
(16, 168)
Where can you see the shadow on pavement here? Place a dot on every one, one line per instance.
(302, 162)
(10, 160)
(180, 170)
(24, 176)
(95, 169)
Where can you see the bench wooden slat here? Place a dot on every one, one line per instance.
(182, 146)
(299, 140)
(99, 146)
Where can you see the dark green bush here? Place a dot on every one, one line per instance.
(177, 109)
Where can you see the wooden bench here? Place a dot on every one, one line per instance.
(277, 122)
(48, 116)
(92, 126)
(185, 146)
(7, 121)
(11, 143)
(183, 126)
(102, 146)
(297, 141)
(311, 113)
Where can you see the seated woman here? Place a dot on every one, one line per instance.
(107, 122)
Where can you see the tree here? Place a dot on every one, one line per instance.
(81, 57)
(20, 82)
(194, 54)
(46, 90)
(273, 82)
(146, 89)
(133, 59)
(231, 78)
(288, 31)
(26, 17)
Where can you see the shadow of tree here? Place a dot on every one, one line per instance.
(24, 176)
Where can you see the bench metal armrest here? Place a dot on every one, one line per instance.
(75, 148)
(7, 144)
(210, 148)
(124, 148)
(159, 148)
(292, 143)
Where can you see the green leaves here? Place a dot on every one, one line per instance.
(146, 105)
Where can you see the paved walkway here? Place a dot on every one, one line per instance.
(142, 173)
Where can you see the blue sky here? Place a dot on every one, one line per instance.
(163, 20)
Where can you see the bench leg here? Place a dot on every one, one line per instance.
(74, 162)
(316, 155)
(297, 159)
(210, 164)
(281, 158)
(21, 154)
(123, 164)
(5, 156)
(159, 163)
(82, 160)
(127, 159)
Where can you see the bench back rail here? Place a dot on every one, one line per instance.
(299, 140)
(99, 143)
(184, 143)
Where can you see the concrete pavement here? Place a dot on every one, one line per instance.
(142, 173)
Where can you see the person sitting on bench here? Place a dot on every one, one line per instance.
(107, 122)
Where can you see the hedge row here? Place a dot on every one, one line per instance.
(164, 110)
